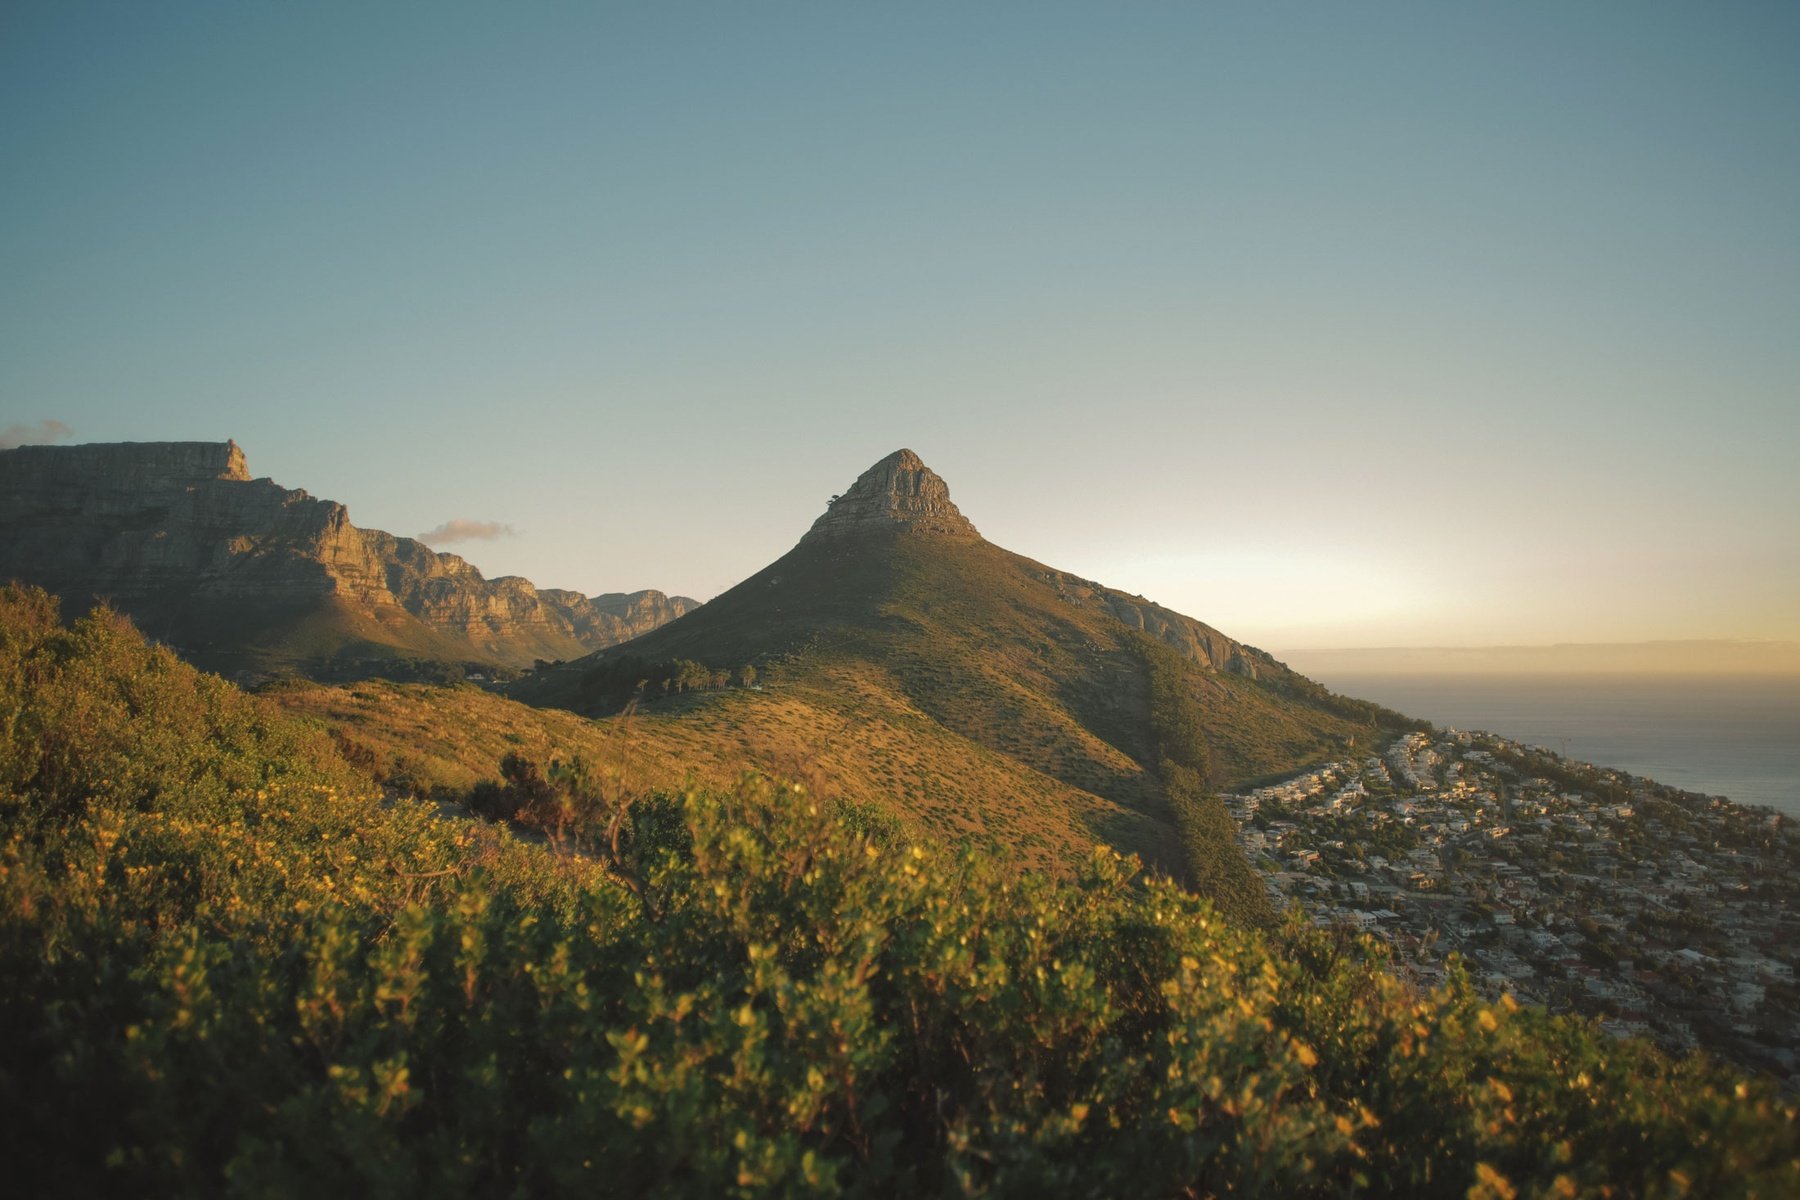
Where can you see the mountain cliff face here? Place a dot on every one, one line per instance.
(899, 494)
(243, 573)
(1196, 641)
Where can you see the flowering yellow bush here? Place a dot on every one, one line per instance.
(234, 968)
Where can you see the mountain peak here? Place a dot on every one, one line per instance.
(898, 493)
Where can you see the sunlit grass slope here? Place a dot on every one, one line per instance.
(962, 686)
(874, 750)
(229, 966)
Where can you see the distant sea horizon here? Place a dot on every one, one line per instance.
(1721, 735)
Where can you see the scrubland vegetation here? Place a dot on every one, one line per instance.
(1215, 865)
(232, 964)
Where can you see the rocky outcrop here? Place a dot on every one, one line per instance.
(898, 494)
(180, 536)
(1198, 641)
(1194, 639)
(642, 611)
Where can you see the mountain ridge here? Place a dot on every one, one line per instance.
(245, 575)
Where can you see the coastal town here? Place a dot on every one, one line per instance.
(1661, 913)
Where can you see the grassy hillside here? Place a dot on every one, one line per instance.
(881, 754)
(231, 966)
(966, 689)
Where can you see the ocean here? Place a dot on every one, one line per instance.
(1737, 737)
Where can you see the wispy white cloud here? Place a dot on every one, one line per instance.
(15, 436)
(463, 530)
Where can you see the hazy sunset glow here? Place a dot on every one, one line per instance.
(1421, 325)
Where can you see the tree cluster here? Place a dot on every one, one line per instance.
(615, 682)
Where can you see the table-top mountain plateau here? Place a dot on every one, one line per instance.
(247, 577)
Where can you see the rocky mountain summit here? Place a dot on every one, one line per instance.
(898, 494)
(242, 573)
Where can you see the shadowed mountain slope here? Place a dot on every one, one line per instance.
(990, 696)
(243, 575)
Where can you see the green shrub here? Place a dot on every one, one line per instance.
(290, 986)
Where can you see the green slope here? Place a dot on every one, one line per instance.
(1015, 683)
(228, 966)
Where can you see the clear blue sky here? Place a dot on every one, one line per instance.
(1329, 324)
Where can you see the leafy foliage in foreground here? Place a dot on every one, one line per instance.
(239, 974)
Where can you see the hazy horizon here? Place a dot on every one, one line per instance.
(1329, 327)
(1716, 657)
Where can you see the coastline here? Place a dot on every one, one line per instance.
(1731, 736)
